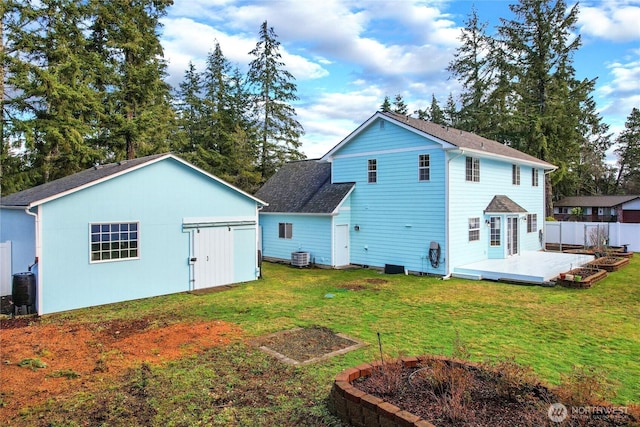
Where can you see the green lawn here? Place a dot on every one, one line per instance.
(550, 329)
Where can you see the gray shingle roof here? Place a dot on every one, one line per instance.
(303, 187)
(49, 189)
(503, 204)
(468, 140)
(595, 201)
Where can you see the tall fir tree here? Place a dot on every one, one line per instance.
(628, 151)
(451, 113)
(140, 118)
(399, 106)
(386, 105)
(52, 106)
(273, 89)
(436, 115)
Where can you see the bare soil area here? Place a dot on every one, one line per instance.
(38, 359)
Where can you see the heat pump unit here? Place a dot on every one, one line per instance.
(300, 259)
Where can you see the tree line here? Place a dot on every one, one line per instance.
(84, 83)
(519, 87)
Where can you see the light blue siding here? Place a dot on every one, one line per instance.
(158, 196)
(310, 233)
(19, 227)
(244, 246)
(398, 216)
(470, 199)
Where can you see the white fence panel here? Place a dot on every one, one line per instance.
(580, 233)
(5, 268)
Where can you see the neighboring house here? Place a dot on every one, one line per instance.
(400, 191)
(133, 229)
(598, 209)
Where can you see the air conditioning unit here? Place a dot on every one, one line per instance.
(300, 259)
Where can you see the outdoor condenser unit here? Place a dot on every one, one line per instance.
(300, 259)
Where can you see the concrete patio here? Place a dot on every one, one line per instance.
(537, 267)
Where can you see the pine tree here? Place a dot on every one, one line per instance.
(436, 115)
(399, 106)
(140, 119)
(273, 89)
(386, 105)
(628, 152)
(53, 105)
(451, 113)
(191, 110)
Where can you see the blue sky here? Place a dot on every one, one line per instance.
(347, 55)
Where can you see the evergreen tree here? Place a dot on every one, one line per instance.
(273, 89)
(386, 105)
(628, 152)
(191, 110)
(53, 105)
(140, 119)
(451, 112)
(472, 68)
(436, 115)
(399, 106)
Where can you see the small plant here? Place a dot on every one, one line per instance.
(66, 373)
(512, 378)
(460, 348)
(387, 378)
(33, 364)
(586, 386)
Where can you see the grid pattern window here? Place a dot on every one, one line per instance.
(532, 223)
(114, 241)
(285, 230)
(473, 169)
(423, 167)
(474, 229)
(495, 231)
(515, 175)
(372, 171)
(534, 177)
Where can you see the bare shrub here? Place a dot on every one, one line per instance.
(387, 378)
(586, 386)
(512, 379)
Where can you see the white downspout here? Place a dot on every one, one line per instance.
(38, 255)
(446, 215)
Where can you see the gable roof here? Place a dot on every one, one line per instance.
(595, 201)
(303, 187)
(95, 175)
(503, 204)
(449, 138)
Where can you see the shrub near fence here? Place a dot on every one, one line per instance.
(580, 233)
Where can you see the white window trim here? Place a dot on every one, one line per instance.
(371, 171)
(288, 226)
(495, 229)
(426, 168)
(129, 258)
(475, 169)
(515, 174)
(476, 228)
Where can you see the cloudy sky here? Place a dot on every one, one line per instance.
(347, 55)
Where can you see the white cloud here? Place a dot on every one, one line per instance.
(622, 93)
(613, 21)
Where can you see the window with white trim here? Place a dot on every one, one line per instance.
(114, 241)
(285, 230)
(472, 172)
(423, 167)
(532, 223)
(534, 177)
(495, 231)
(474, 229)
(515, 174)
(372, 171)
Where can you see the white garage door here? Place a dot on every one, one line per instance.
(213, 253)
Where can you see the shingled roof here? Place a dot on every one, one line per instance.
(303, 187)
(455, 137)
(86, 178)
(595, 201)
(503, 204)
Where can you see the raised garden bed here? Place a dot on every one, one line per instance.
(583, 277)
(609, 263)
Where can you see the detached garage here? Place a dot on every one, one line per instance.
(134, 229)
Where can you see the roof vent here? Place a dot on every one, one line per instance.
(122, 162)
(97, 166)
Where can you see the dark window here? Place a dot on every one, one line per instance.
(532, 223)
(473, 169)
(285, 230)
(372, 171)
(534, 177)
(423, 167)
(495, 231)
(114, 241)
(515, 175)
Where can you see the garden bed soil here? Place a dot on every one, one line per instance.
(588, 276)
(415, 392)
(609, 263)
(43, 361)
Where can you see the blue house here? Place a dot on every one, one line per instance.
(133, 229)
(406, 193)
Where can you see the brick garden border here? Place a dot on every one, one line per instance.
(361, 409)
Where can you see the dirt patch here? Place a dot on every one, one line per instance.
(45, 361)
(306, 345)
(363, 284)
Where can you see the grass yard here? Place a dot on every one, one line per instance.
(232, 383)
